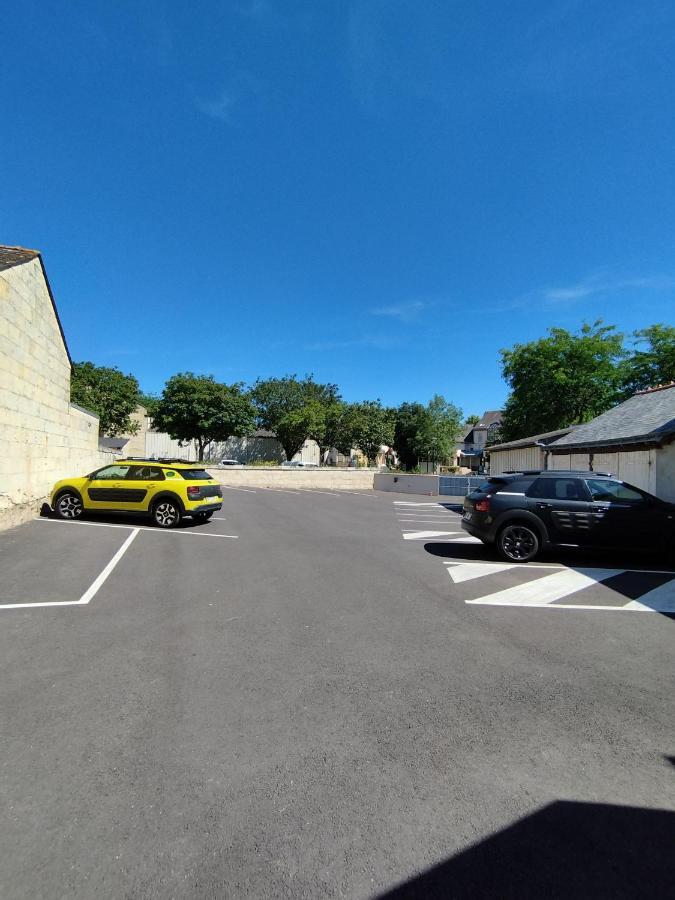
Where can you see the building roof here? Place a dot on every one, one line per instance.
(647, 417)
(547, 437)
(17, 256)
(491, 417)
(113, 443)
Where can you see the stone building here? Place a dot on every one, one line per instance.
(43, 436)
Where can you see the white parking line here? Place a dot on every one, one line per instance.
(173, 531)
(279, 490)
(245, 490)
(314, 491)
(91, 591)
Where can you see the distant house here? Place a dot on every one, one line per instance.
(474, 438)
(634, 441)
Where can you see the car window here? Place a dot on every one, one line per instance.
(194, 474)
(613, 491)
(490, 486)
(517, 486)
(112, 473)
(558, 489)
(145, 473)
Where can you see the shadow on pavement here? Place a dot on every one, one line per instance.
(566, 556)
(564, 850)
(113, 519)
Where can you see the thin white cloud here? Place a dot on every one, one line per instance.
(603, 284)
(220, 108)
(404, 312)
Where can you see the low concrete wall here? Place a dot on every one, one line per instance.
(319, 479)
(408, 484)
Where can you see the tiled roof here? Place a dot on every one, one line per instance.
(15, 256)
(547, 437)
(491, 417)
(645, 418)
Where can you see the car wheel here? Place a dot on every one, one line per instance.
(202, 517)
(518, 543)
(69, 506)
(166, 513)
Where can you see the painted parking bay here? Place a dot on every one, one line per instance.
(478, 579)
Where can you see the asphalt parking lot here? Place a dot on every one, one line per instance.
(330, 694)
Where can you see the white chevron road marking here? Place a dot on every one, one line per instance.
(660, 599)
(469, 571)
(545, 590)
(425, 535)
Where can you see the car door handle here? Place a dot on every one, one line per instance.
(544, 505)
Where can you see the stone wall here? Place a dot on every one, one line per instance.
(326, 478)
(42, 436)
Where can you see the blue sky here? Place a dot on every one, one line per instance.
(383, 193)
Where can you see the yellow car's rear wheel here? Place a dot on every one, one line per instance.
(166, 513)
(69, 505)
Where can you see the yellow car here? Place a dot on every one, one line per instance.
(166, 490)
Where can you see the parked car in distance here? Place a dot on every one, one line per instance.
(524, 512)
(166, 491)
(229, 462)
(298, 464)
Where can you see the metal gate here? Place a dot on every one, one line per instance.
(458, 485)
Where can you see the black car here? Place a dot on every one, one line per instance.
(523, 512)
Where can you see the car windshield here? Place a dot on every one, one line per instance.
(194, 474)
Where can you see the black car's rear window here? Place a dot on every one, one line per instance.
(492, 485)
(194, 474)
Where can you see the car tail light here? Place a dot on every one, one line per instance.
(194, 493)
(483, 505)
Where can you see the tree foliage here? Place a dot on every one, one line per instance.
(150, 402)
(408, 424)
(284, 404)
(653, 363)
(426, 432)
(473, 419)
(369, 425)
(108, 392)
(440, 429)
(196, 407)
(561, 379)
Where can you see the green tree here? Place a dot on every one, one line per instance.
(655, 364)
(198, 408)
(426, 432)
(440, 429)
(108, 392)
(409, 422)
(150, 402)
(276, 398)
(294, 428)
(370, 425)
(473, 419)
(562, 379)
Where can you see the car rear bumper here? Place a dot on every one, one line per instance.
(205, 507)
(482, 534)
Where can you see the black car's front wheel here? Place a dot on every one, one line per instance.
(69, 505)
(518, 543)
(166, 513)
